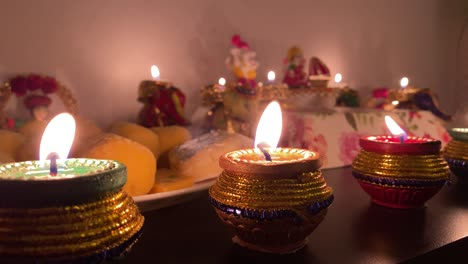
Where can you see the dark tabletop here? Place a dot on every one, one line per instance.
(354, 231)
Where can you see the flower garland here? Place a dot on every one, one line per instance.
(20, 85)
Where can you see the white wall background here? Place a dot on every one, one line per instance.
(103, 49)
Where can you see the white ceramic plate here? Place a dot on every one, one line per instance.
(156, 201)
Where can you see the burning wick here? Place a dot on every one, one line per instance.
(262, 146)
(395, 129)
(53, 163)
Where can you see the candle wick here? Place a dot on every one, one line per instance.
(262, 147)
(53, 163)
(403, 137)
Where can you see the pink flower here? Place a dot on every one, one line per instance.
(319, 144)
(413, 114)
(349, 149)
(445, 137)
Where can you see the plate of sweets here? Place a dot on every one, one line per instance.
(165, 165)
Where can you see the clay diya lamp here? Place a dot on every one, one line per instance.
(273, 198)
(65, 210)
(399, 171)
(456, 153)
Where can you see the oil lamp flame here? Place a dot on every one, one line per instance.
(222, 81)
(58, 137)
(270, 126)
(271, 76)
(394, 128)
(338, 77)
(155, 72)
(404, 82)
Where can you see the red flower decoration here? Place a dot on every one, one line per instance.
(49, 85)
(34, 82)
(19, 85)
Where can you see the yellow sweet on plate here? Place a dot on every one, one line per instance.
(29, 149)
(140, 161)
(171, 136)
(85, 130)
(168, 180)
(33, 128)
(137, 133)
(10, 142)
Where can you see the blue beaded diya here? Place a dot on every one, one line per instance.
(273, 206)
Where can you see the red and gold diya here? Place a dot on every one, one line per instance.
(399, 171)
(456, 153)
(272, 197)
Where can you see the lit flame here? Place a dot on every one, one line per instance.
(338, 77)
(270, 126)
(58, 136)
(271, 76)
(395, 102)
(404, 82)
(222, 81)
(155, 72)
(394, 128)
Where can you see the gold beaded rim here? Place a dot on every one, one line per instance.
(401, 166)
(456, 149)
(243, 191)
(69, 231)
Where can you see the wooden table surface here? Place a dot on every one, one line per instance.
(354, 231)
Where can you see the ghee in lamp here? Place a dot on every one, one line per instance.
(79, 215)
(399, 171)
(273, 206)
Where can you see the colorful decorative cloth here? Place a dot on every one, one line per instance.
(335, 135)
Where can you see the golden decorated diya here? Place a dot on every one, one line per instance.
(398, 171)
(456, 153)
(65, 210)
(273, 198)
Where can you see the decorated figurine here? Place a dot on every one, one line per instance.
(294, 75)
(163, 105)
(242, 62)
(36, 91)
(319, 74)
